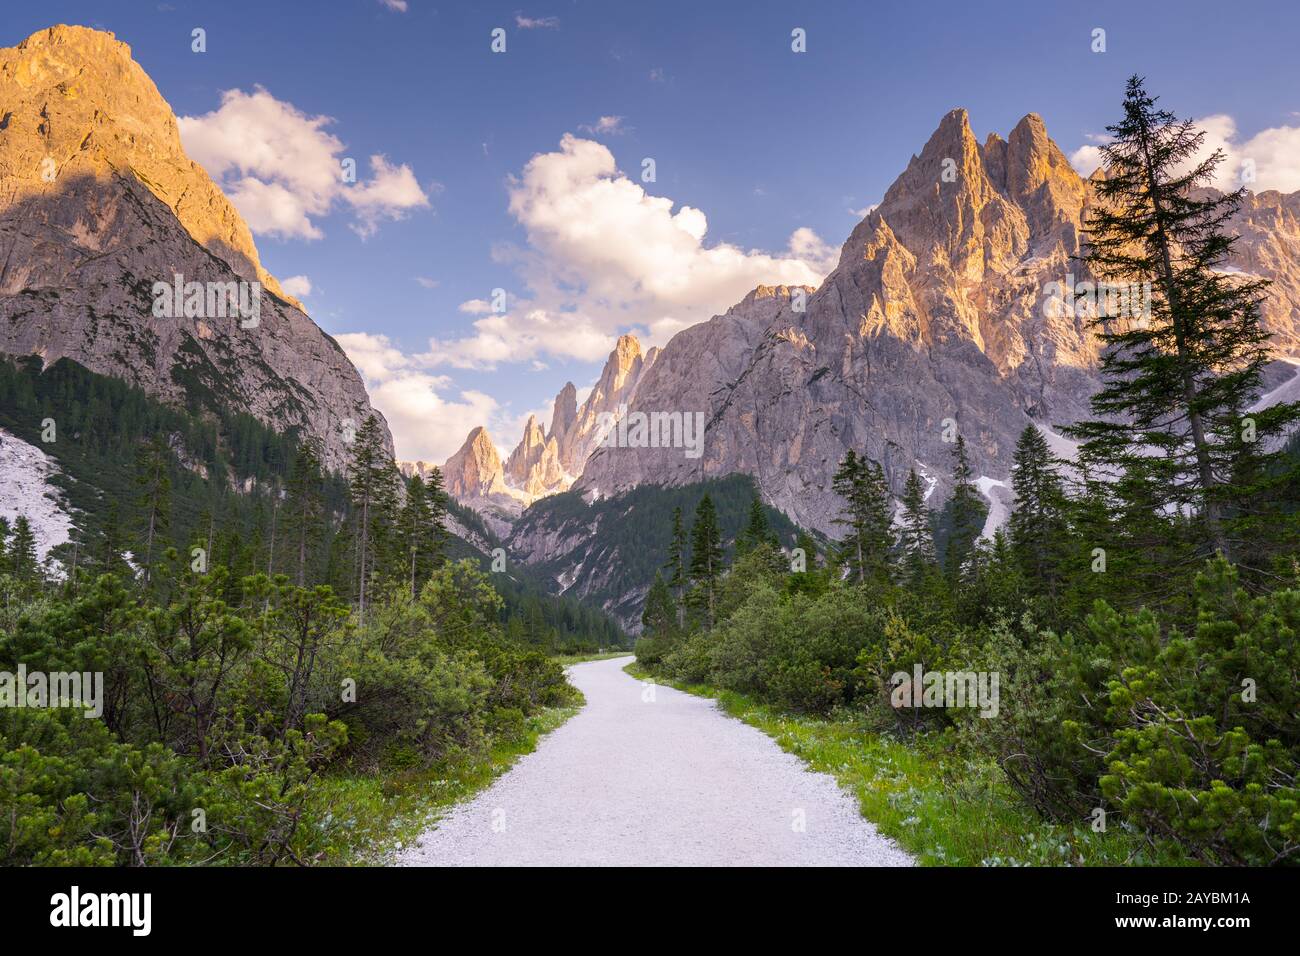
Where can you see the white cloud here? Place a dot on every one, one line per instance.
(426, 283)
(865, 211)
(398, 6)
(536, 23)
(297, 286)
(606, 125)
(281, 167)
(1272, 155)
(657, 75)
(426, 424)
(605, 256)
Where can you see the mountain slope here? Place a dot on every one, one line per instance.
(935, 321)
(99, 203)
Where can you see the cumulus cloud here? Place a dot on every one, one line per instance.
(428, 417)
(1268, 160)
(603, 256)
(282, 168)
(296, 286)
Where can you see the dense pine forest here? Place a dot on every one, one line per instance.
(264, 630)
(1142, 604)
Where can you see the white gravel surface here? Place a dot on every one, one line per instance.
(631, 781)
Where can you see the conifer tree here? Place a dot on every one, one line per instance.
(861, 483)
(706, 558)
(660, 614)
(1038, 529)
(916, 537)
(676, 564)
(756, 531)
(1178, 377)
(438, 498)
(21, 552)
(305, 505)
(153, 478)
(373, 494)
(966, 515)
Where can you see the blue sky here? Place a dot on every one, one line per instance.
(759, 140)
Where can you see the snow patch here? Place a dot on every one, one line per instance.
(25, 489)
(998, 510)
(1288, 391)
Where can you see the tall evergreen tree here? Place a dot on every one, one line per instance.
(436, 493)
(916, 537)
(660, 614)
(21, 552)
(706, 558)
(861, 483)
(965, 518)
(305, 505)
(756, 531)
(1038, 529)
(676, 565)
(373, 494)
(1177, 379)
(153, 506)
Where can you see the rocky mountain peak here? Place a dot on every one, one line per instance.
(100, 204)
(566, 411)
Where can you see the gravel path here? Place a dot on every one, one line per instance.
(669, 781)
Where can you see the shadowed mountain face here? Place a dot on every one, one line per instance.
(99, 204)
(936, 320)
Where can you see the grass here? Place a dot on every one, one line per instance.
(377, 815)
(945, 807)
(564, 660)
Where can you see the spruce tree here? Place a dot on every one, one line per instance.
(1038, 531)
(756, 531)
(660, 614)
(965, 519)
(21, 552)
(153, 506)
(861, 483)
(373, 495)
(706, 558)
(676, 564)
(916, 537)
(305, 506)
(436, 493)
(1179, 378)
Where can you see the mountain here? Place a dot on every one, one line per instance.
(936, 320)
(543, 463)
(102, 210)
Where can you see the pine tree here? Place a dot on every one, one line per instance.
(1037, 531)
(153, 477)
(1178, 378)
(756, 531)
(420, 533)
(965, 516)
(916, 537)
(861, 483)
(660, 614)
(676, 564)
(373, 497)
(21, 553)
(439, 500)
(706, 558)
(305, 505)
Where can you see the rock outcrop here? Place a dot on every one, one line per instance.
(99, 203)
